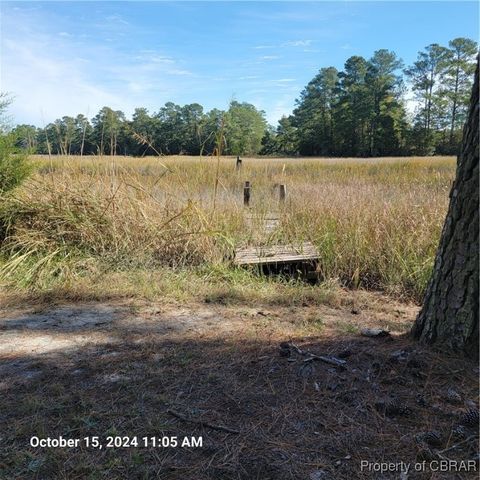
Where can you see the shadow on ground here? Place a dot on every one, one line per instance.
(293, 419)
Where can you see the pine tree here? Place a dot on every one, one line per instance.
(449, 317)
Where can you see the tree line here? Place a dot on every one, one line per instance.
(359, 111)
(173, 130)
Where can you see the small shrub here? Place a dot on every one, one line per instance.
(14, 167)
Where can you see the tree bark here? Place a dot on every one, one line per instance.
(449, 316)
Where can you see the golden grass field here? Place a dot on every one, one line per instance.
(78, 220)
(122, 316)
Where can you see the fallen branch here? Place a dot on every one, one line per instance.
(330, 360)
(202, 423)
(338, 362)
(294, 347)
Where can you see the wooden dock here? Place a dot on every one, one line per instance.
(276, 254)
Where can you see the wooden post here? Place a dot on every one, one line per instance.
(246, 194)
(238, 164)
(283, 193)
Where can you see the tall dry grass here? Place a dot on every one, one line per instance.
(376, 222)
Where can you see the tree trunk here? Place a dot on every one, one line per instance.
(449, 316)
(454, 108)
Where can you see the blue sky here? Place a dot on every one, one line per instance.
(65, 58)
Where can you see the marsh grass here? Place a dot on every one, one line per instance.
(376, 222)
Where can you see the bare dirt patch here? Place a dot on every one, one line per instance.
(121, 369)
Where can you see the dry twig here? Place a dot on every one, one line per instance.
(221, 428)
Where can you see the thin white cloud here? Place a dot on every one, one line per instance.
(116, 19)
(46, 88)
(291, 43)
(297, 43)
(154, 57)
(50, 76)
(178, 71)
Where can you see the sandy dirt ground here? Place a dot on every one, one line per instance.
(135, 367)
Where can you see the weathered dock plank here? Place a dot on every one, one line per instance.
(276, 254)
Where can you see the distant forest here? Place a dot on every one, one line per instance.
(360, 111)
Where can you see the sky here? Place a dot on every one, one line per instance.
(65, 58)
